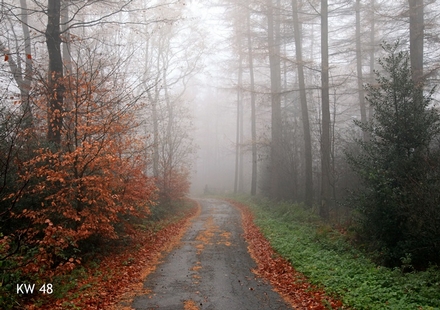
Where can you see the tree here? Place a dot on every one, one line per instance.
(169, 66)
(238, 180)
(253, 106)
(304, 108)
(55, 73)
(399, 166)
(372, 47)
(360, 79)
(416, 38)
(85, 187)
(273, 32)
(22, 76)
(325, 128)
(79, 173)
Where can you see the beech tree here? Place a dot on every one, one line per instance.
(238, 180)
(55, 73)
(83, 188)
(81, 170)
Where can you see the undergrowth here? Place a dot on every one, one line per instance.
(326, 257)
(83, 279)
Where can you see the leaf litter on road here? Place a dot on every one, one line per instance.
(292, 285)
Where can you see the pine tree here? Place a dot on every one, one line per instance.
(398, 205)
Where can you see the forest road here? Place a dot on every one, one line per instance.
(210, 269)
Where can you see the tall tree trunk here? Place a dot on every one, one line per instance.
(168, 143)
(55, 73)
(273, 21)
(304, 109)
(325, 130)
(67, 62)
(26, 81)
(241, 120)
(360, 79)
(153, 101)
(241, 143)
(155, 139)
(253, 109)
(416, 37)
(372, 50)
(154, 106)
(67, 58)
(238, 157)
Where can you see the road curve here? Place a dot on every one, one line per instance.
(211, 269)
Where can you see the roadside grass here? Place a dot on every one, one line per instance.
(326, 257)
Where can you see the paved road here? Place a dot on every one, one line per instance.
(211, 269)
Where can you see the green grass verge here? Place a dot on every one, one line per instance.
(326, 257)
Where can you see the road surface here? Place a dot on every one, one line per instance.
(211, 269)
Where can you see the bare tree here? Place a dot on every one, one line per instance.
(22, 76)
(372, 48)
(416, 38)
(238, 179)
(253, 106)
(169, 66)
(273, 32)
(360, 78)
(325, 127)
(304, 108)
(55, 73)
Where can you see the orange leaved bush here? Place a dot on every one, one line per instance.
(95, 179)
(173, 184)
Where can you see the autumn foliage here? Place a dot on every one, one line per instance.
(120, 277)
(98, 174)
(173, 184)
(54, 198)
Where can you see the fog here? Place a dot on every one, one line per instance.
(237, 95)
(113, 112)
(223, 81)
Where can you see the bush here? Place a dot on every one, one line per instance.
(399, 166)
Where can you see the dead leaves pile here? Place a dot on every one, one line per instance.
(292, 285)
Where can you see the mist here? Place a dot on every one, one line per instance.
(116, 116)
(255, 97)
(240, 31)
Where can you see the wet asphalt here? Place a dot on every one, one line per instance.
(210, 269)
